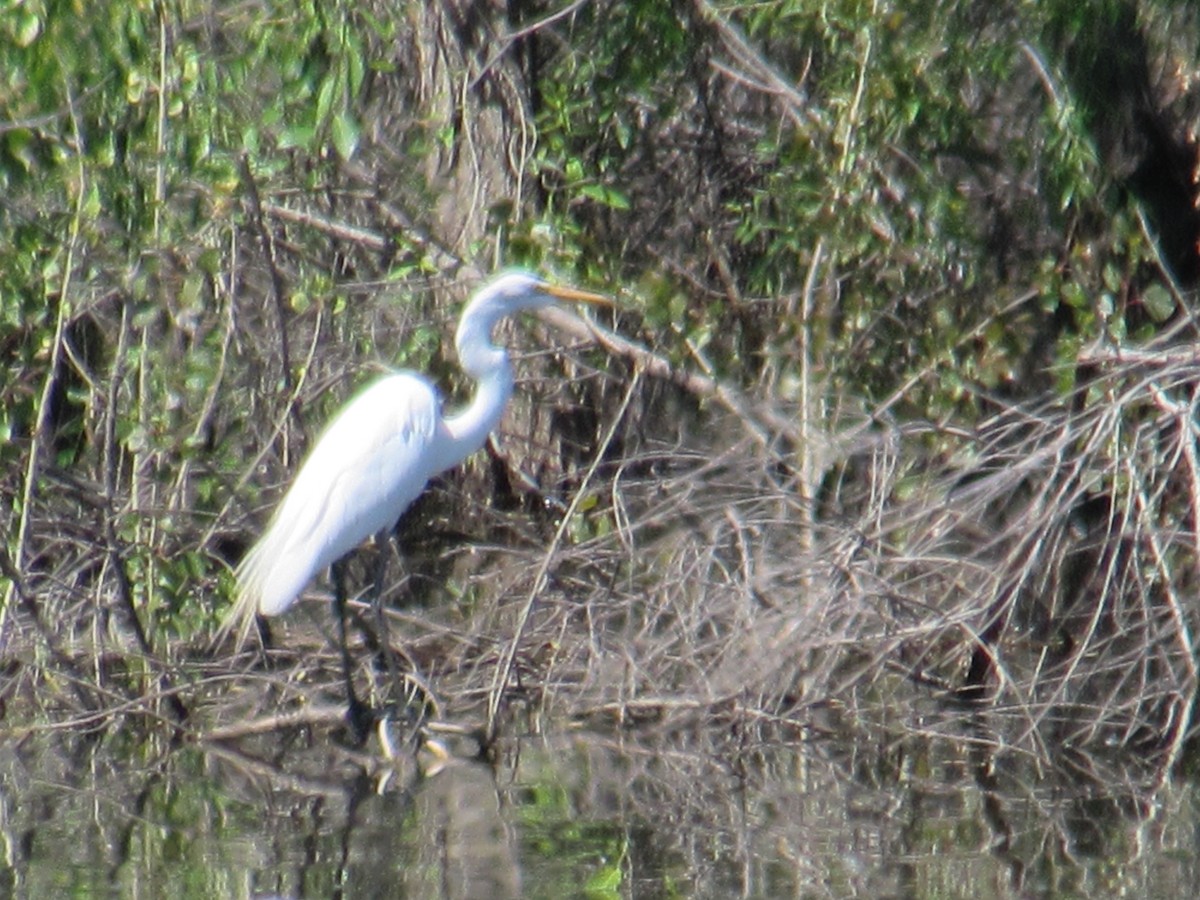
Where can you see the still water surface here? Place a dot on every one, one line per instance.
(583, 816)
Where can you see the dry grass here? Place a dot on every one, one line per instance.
(1039, 570)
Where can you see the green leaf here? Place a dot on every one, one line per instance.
(299, 137)
(26, 28)
(91, 204)
(605, 883)
(135, 87)
(355, 68)
(325, 96)
(610, 197)
(345, 134)
(1158, 302)
(20, 145)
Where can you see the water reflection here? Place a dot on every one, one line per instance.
(581, 815)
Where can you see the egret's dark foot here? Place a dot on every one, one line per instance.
(360, 721)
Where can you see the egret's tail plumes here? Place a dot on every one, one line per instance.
(251, 576)
(264, 583)
(273, 574)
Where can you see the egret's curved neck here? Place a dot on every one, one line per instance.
(487, 363)
(470, 427)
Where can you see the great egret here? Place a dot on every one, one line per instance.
(376, 457)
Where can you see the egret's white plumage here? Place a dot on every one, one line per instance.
(372, 460)
(379, 452)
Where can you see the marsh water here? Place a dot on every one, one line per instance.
(585, 814)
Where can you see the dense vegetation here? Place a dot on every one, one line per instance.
(902, 411)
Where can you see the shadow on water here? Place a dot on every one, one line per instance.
(669, 815)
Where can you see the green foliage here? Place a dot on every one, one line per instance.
(119, 163)
(929, 167)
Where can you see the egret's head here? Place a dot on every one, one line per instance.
(517, 289)
(510, 292)
(513, 290)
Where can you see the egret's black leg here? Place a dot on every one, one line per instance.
(358, 714)
(382, 542)
(411, 698)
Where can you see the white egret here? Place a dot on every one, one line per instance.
(376, 457)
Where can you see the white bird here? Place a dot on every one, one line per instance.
(379, 452)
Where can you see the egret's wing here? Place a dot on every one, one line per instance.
(370, 463)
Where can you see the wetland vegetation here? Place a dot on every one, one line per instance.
(855, 552)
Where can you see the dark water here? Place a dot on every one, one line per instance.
(598, 816)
